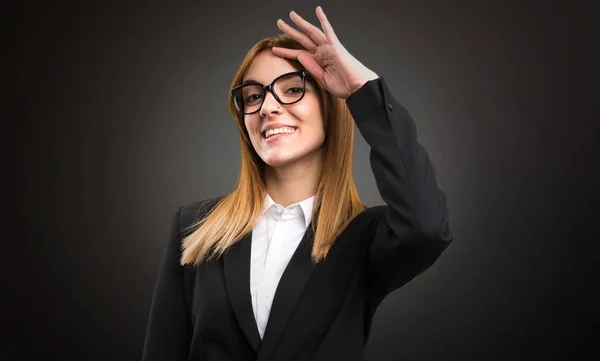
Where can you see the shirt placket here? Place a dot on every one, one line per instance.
(267, 285)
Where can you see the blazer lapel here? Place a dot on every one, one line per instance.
(237, 277)
(288, 292)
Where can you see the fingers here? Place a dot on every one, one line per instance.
(302, 38)
(305, 58)
(315, 36)
(326, 25)
(311, 65)
(315, 33)
(287, 53)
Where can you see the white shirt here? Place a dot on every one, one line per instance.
(270, 255)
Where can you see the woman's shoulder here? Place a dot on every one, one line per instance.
(191, 213)
(371, 213)
(374, 211)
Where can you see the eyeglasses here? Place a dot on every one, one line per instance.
(288, 88)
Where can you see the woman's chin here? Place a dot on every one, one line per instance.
(279, 161)
(280, 158)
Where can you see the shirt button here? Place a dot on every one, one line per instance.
(390, 107)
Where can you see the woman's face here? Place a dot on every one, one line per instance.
(300, 125)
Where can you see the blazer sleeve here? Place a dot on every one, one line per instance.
(413, 229)
(168, 333)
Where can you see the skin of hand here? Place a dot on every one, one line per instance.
(326, 59)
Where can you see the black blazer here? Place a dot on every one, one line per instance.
(322, 311)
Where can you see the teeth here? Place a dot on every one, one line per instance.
(275, 131)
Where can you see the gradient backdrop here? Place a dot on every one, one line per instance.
(125, 119)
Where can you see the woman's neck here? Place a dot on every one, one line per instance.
(294, 182)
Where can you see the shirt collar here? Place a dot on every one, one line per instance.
(306, 206)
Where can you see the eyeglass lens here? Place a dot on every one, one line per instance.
(287, 89)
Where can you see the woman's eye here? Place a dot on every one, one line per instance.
(252, 98)
(294, 90)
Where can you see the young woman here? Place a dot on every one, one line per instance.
(291, 265)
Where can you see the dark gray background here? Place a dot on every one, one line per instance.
(124, 119)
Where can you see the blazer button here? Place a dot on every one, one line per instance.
(390, 107)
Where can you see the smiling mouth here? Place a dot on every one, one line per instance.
(278, 133)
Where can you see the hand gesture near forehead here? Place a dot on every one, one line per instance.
(326, 59)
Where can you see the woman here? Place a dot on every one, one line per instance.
(292, 265)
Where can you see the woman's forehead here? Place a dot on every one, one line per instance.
(266, 67)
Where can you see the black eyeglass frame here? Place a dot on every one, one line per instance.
(303, 74)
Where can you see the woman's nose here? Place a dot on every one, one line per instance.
(269, 105)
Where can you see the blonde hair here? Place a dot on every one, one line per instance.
(336, 202)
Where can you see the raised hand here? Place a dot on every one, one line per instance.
(326, 59)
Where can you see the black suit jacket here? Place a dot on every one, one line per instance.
(322, 311)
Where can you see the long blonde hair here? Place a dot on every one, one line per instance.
(336, 202)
